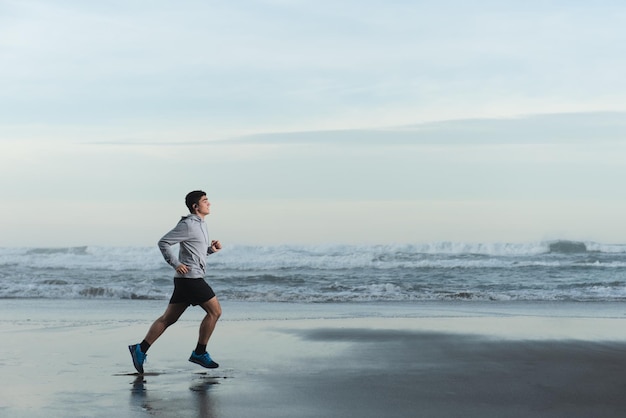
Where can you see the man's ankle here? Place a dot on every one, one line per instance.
(144, 346)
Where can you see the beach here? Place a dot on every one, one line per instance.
(69, 358)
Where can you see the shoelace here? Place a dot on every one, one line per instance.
(205, 357)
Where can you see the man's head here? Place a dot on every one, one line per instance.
(192, 200)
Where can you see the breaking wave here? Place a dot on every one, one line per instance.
(551, 270)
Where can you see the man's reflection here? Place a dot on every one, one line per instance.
(155, 404)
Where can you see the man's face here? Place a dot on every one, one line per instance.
(204, 206)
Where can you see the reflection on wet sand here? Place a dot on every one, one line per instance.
(155, 401)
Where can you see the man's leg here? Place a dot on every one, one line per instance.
(171, 315)
(213, 312)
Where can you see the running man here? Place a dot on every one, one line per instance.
(190, 288)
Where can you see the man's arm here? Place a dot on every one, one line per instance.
(175, 236)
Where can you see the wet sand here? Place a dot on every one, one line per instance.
(72, 361)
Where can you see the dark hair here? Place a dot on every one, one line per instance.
(193, 198)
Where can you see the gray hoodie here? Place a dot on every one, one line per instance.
(193, 237)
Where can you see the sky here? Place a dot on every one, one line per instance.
(312, 122)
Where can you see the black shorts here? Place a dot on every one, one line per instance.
(191, 291)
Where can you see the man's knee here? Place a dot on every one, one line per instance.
(213, 308)
(215, 311)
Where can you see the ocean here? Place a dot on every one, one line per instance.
(444, 271)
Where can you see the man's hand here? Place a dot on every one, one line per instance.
(182, 269)
(215, 246)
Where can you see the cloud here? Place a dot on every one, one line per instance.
(446, 180)
(346, 104)
(258, 66)
(531, 129)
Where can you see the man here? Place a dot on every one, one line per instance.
(190, 288)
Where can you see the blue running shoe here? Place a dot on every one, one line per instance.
(139, 357)
(204, 360)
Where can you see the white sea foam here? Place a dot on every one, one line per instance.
(551, 270)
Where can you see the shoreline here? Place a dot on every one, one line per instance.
(297, 310)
